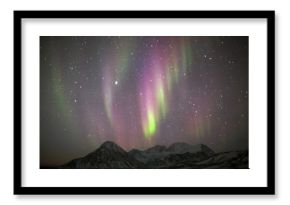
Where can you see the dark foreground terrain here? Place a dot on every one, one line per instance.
(177, 156)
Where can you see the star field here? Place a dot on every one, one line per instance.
(141, 91)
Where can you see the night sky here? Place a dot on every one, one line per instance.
(141, 91)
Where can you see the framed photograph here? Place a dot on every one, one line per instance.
(144, 102)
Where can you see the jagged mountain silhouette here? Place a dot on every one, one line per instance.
(177, 156)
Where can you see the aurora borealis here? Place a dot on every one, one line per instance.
(140, 92)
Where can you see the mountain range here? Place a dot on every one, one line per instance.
(177, 156)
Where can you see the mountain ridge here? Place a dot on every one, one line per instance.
(179, 155)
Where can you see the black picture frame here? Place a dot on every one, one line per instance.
(269, 189)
